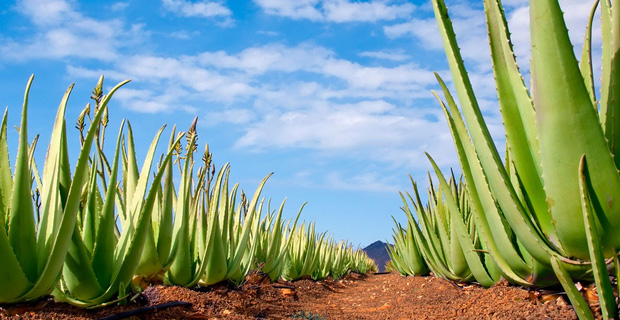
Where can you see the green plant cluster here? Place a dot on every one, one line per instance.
(90, 237)
(548, 211)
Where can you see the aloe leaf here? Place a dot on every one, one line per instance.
(55, 188)
(21, 222)
(102, 260)
(214, 267)
(434, 247)
(616, 263)
(13, 281)
(36, 177)
(415, 261)
(182, 270)
(275, 230)
(131, 257)
(129, 224)
(456, 259)
(610, 84)
(6, 179)
(562, 101)
(471, 255)
(150, 268)
(498, 179)
(607, 300)
(78, 273)
(247, 230)
(442, 227)
(427, 249)
(130, 171)
(518, 115)
(579, 303)
(164, 240)
(606, 88)
(49, 275)
(89, 219)
(585, 65)
(140, 188)
(492, 228)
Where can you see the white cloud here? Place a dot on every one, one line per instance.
(368, 181)
(372, 129)
(186, 72)
(62, 31)
(425, 30)
(345, 11)
(398, 55)
(204, 9)
(338, 11)
(334, 105)
(470, 28)
(148, 101)
(119, 6)
(234, 116)
(268, 33)
(515, 3)
(343, 107)
(302, 9)
(319, 60)
(183, 35)
(270, 57)
(44, 12)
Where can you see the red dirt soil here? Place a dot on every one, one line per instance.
(388, 296)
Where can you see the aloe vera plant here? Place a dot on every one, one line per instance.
(231, 233)
(362, 263)
(34, 251)
(102, 260)
(96, 230)
(304, 252)
(543, 206)
(341, 259)
(273, 242)
(157, 255)
(188, 252)
(405, 255)
(446, 235)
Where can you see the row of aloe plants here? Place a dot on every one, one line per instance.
(90, 237)
(547, 212)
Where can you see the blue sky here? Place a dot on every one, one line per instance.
(334, 96)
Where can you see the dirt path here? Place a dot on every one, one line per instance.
(394, 297)
(358, 297)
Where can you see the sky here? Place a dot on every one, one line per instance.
(333, 96)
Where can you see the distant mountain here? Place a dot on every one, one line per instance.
(378, 252)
